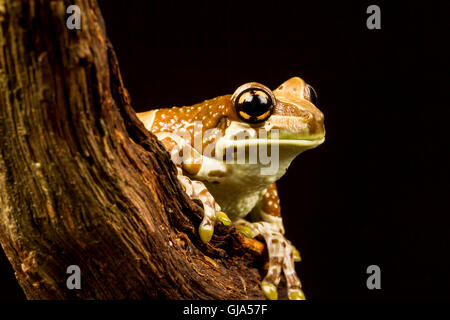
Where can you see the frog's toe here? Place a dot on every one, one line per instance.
(206, 231)
(296, 294)
(270, 290)
(246, 231)
(297, 257)
(223, 217)
(196, 190)
(294, 286)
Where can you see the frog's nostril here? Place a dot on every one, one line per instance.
(308, 116)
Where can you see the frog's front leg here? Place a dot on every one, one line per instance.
(282, 253)
(187, 159)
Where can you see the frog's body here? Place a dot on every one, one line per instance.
(211, 143)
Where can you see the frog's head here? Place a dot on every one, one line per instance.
(285, 117)
(283, 122)
(290, 109)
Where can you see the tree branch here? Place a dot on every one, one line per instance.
(83, 183)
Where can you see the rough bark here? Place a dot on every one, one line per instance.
(83, 183)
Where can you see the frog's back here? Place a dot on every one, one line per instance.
(215, 114)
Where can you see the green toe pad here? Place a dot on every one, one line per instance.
(206, 233)
(270, 291)
(223, 217)
(245, 231)
(297, 295)
(297, 257)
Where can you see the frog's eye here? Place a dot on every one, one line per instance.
(253, 103)
(310, 94)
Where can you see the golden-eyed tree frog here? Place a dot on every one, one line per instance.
(230, 150)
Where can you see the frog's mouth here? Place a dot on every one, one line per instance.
(243, 141)
(309, 143)
(286, 149)
(280, 138)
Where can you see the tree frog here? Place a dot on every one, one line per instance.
(230, 151)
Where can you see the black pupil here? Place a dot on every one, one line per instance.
(255, 104)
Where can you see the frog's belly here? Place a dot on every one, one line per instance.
(234, 203)
(241, 189)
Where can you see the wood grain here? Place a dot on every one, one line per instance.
(82, 182)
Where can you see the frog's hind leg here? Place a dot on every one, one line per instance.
(294, 286)
(282, 253)
(276, 245)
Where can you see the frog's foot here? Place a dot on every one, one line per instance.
(294, 286)
(196, 190)
(281, 256)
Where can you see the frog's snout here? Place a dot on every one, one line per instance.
(317, 124)
(296, 104)
(299, 119)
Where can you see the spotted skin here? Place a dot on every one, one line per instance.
(215, 113)
(195, 135)
(271, 201)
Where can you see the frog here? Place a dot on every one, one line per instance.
(213, 146)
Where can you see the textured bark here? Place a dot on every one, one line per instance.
(83, 183)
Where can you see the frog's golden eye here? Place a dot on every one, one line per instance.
(253, 102)
(310, 94)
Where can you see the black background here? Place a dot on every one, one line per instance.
(374, 192)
